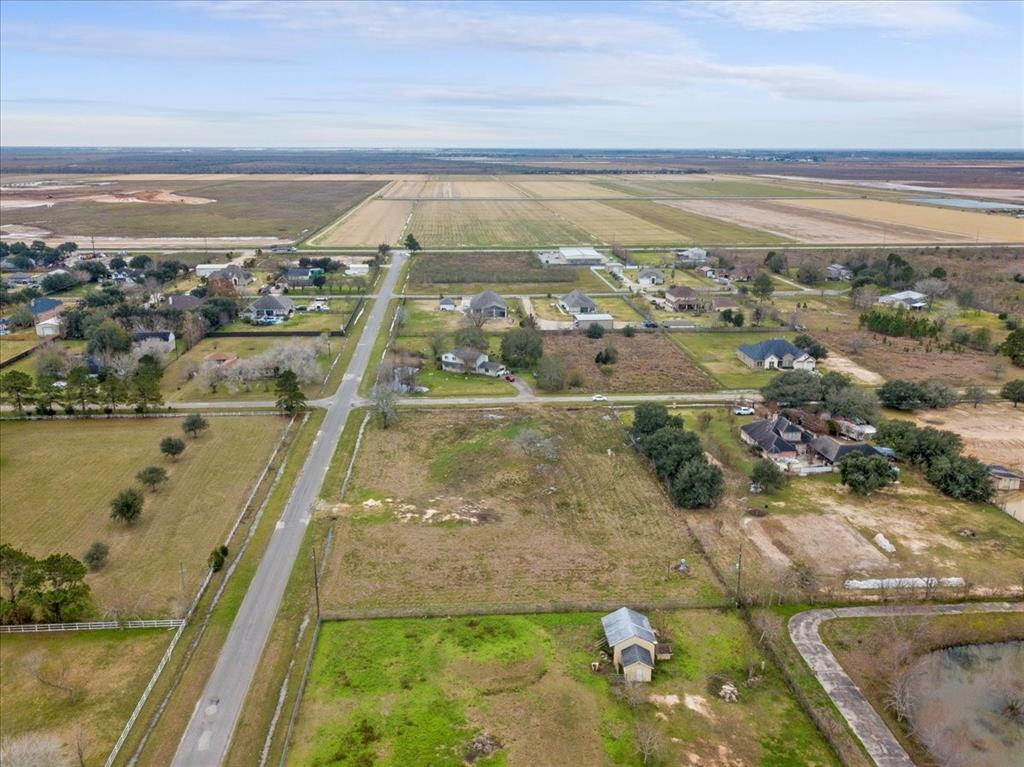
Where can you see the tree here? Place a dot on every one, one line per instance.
(172, 447)
(96, 556)
(140, 262)
(127, 505)
(833, 381)
(794, 387)
(669, 448)
(810, 274)
(112, 391)
(853, 403)
(152, 476)
(108, 338)
(384, 400)
(1013, 347)
(937, 393)
(194, 424)
(697, 484)
(58, 282)
(145, 389)
(776, 262)
(933, 287)
(217, 558)
(522, 347)
(811, 345)
(864, 474)
(1013, 391)
(647, 742)
(471, 336)
(52, 361)
(81, 386)
(762, 287)
(438, 345)
(609, 355)
(290, 398)
(965, 479)
(60, 589)
(649, 417)
(768, 475)
(118, 263)
(411, 242)
(16, 388)
(901, 395)
(551, 373)
(594, 330)
(976, 395)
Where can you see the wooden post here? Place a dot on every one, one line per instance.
(316, 584)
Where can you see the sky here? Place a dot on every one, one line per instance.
(918, 74)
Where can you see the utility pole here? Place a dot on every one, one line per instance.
(316, 584)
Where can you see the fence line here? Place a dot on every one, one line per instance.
(33, 628)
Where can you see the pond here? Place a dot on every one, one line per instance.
(968, 705)
(959, 202)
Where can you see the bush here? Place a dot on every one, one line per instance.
(768, 475)
(172, 446)
(811, 345)
(96, 556)
(551, 373)
(217, 558)
(127, 505)
(697, 484)
(864, 474)
(629, 331)
(607, 356)
(595, 331)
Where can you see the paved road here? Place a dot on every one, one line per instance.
(206, 740)
(881, 745)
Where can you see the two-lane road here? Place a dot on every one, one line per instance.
(206, 740)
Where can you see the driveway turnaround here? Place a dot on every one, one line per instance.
(208, 735)
(881, 745)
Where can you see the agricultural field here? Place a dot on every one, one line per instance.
(59, 478)
(555, 187)
(691, 228)
(334, 319)
(457, 189)
(606, 223)
(522, 273)
(523, 685)
(182, 382)
(716, 353)
(62, 691)
(468, 508)
(992, 433)
(646, 363)
(706, 186)
(491, 224)
(372, 223)
(197, 208)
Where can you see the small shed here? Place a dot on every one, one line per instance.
(637, 664)
(606, 321)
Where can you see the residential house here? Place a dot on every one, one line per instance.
(692, 255)
(775, 353)
(270, 308)
(838, 272)
(468, 360)
(682, 298)
(184, 302)
(1003, 478)
(234, 274)
(648, 277)
(446, 304)
(488, 304)
(707, 271)
(831, 451)
(22, 280)
(907, 299)
(718, 303)
(778, 438)
(739, 274)
(44, 308)
(633, 644)
(221, 359)
(577, 302)
(853, 430)
(163, 339)
(49, 328)
(300, 276)
(205, 270)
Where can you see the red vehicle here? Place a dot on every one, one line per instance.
(510, 378)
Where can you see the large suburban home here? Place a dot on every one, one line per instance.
(908, 299)
(692, 255)
(270, 307)
(232, 273)
(778, 438)
(831, 451)
(300, 276)
(682, 298)
(44, 308)
(838, 272)
(488, 304)
(649, 277)
(163, 339)
(577, 302)
(468, 360)
(633, 645)
(184, 302)
(1003, 478)
(775, 353)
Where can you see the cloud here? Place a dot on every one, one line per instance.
(912, 17)
(498, 98)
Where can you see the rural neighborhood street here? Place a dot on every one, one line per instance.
(208, 735)
(881, 745)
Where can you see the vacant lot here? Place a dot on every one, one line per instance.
(491, 224)
(16, 343)
(466, 508)
(526, 682)
(372, 223)
(646, 363)
(991, 433)
(102, 674)
(59, 479)
(241, 208)
(422, 318)
(456, 273)
(716, 353)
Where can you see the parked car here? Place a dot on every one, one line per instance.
(510, 378)
(744, 410)
(650, 325)
(599, 398)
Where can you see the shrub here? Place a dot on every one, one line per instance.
(172, 446)
(768, 475)
(864, 474)
(96, 556)
(217, 558)
(127, 505)
(595, 331)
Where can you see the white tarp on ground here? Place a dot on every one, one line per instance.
(883, 543)
(903, 583)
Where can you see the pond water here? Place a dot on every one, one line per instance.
(968, 705)
(959, 202)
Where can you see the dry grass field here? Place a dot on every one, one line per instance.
(59, 478)
(608, 224)
(556, 187)
(491, 224)
(647, 363)
(493, 188)
(469, 508)
(693, 228)
(104, 672)
(992, 433)
(367, 226)
(702, 185)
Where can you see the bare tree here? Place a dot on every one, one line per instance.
(864, 297)
(647, 741)
(932, 287)
(477, 317)
(901, 697)
(385, 399)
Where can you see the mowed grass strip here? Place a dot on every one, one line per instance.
(447, 509)
(418, 691)
(59, 478)
(102, 673)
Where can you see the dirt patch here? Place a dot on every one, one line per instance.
(991, 433)
(841, 364)
(827, 543)
(48, 196)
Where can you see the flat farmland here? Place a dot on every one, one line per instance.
(701, 185)
(464, 508)
(691, 228)
(59, 478)
(104, 673)
(277, 209)
(525, 681)
(992, 433)
(646, 363)
(491, 224)
(555, 188)
(372, 223)
(607, 223)
(953, 225)
(493, 188)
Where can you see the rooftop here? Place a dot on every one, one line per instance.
(626, 624)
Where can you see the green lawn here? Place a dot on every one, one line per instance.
(716, 353)
(442, 384)
(16, 343)
(332, 320)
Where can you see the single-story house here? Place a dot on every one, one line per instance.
(852, 430)
(468, 360)
(740, 274)
(584, 321)
(838, 272)
(650, 277)
(232, 273)
(8, 265)
(488, 304)
(777, 437)
(908, 299)
(692, 255)
(300, 276)
(220, 359)
(632, 643)
(49, 328)
(707, 271)
(775, 353)
(22, 279)
(358, 270)
(44, 308)
(1003, 478)
(270, 308)
(446, 304)
(184, 302)
(723, 302)
(832, 451)
(577, 302)
(163, 338)
(682, 298)
(205, 270)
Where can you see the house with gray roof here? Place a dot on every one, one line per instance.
(577, 302)
(775, 354)
(831, 451)
(648, 277)
(632, 643)
(682, 298)
(232, 273)
(838, 272)
(1003, 478)
(270, 308)
(777, 438)
(44, 308)
(185, 302)
(906, 299)
(488, 304)
(466, 359)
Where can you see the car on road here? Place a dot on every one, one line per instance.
(599, 398)
(744, 410)
(510, 378)
(650, 325)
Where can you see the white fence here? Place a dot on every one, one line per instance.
(32, 628)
